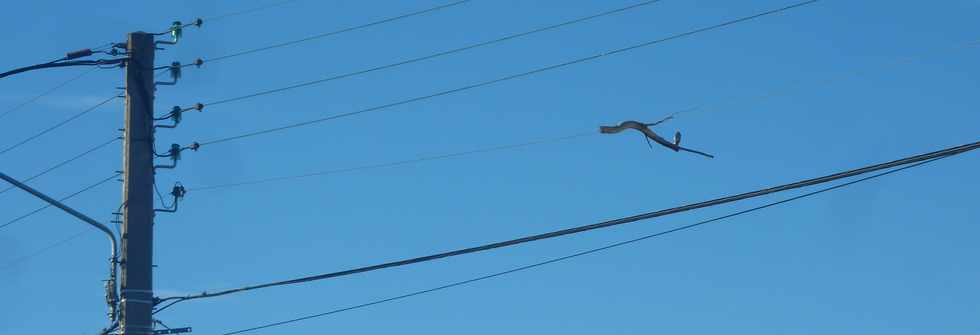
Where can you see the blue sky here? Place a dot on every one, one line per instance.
(855, 83)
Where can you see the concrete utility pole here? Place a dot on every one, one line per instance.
(136, 280)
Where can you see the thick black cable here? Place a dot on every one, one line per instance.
(605, 224)
(56, 126)
(582, 253)
(440, 54)
(396, 163)
(498, 80)
(63, 163)
(335, 32)
(897, 61)
(86, 189)
(59, 63)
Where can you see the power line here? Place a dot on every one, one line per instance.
(248, 11)
(336, 32)
(605, 224)
(65, 162)
(396, 163)
(498, 80)
(46, 93)
(63, 63)
(438, 54)
(701, 107)
(86, 189)
(578, 254)
(837, 77)
(43, 250)
(58, 125)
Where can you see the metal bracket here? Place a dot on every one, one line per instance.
(172, 331)
(178, 193)
(175, 73)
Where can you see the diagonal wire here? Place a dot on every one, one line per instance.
(336, 32)
(579, 254)
(46, 93)
(599, 225)
(836, 78)
(395, 163)
(63, 163)
(56, 126)
(247, 11)
(510, 77)
(754, 99)
(43, 250)
(439, 54)
(87, 188)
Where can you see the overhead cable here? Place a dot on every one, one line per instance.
(56, 126)
(64, 162)
(86, 189)
(63, 63)
(757, 98)
(440, 54)
(498, 80)
(248, 10)
(600, 225)
(395, 163)
(332, 33)
(46, 93)
(42, 250)
(575, 255)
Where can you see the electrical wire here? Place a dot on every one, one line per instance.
(160, 196)
(579, 254)
(248, 11)
(64, 162)
(440, 54)
(86, 189)
(62, 63)
(46, 93)
(835, 78)
(41, 251)
(701, 107)
(335, 32)
(599, 225)
(212, 19)
(396, 163)
(498, 80)
(58, 125)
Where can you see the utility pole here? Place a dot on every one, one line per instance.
(136, 280)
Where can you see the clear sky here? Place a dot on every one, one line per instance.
(855, 82)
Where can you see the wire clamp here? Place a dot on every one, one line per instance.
(175, 73)
(178, 193)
